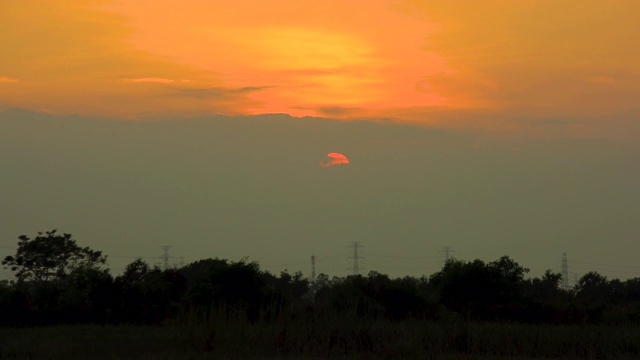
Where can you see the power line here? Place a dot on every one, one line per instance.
(610, 271)
(402, 257)
(331, 261)
(334, 255)
(601, 264)
(403, 267)
(187, 249)
(283, 265)
(130, 256)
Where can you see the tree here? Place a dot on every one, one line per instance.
(593, 288)
(546, 289)
(293, 288)
(52, 256)
(480, 290)
(134, 272)
(594, 294)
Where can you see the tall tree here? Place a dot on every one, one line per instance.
(52, 256)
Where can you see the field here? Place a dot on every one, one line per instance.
(220, 336)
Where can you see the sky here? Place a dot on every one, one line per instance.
(495, 127)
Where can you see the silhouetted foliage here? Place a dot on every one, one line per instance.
(51, 256)
(216, 282)
(135, 272)
(291, 287)
(239, 287)
(59, 281)
(593, 292)
(148, 294)
(481, 291)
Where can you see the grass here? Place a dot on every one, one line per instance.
(312, 336)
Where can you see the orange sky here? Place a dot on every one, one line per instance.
(483, 63)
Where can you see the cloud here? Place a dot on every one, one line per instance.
(334, 110)
(336, 159)
(214, 92)
(536, 59)
(82, 62)
(602, 80)
(7, 80)
(326, 57)
(151, 80)
(553, 122)
(486, 67)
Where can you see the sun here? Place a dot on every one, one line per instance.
(336, 159)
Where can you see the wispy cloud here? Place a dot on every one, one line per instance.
(151, 80)
(7, 80)
(553, 122)
(602, 80)
(214, 92)
(334, 110)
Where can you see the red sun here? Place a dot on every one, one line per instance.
(336, 159)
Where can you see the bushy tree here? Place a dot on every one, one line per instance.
(59, 281)
(216, 283)
(480, 290)
(291, 287)
(593, 288)
(134, 272)
(52, 256)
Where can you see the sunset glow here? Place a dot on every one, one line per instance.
(267, 131)
(336, 159)
(405, 60)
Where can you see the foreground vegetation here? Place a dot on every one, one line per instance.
(65, 304)
(234, 338)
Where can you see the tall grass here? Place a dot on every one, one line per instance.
(225, 333)
(322, 335)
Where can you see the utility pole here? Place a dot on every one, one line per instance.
(565, 272)
(165, 256)
(447, 253)
(355, 270)
(313, 286)
(313, 270)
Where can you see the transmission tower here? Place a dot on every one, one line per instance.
(355, 270)
(565, 272)
(447, 250)
(313, 269)
(165, 256)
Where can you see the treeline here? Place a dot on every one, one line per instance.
(58, 281)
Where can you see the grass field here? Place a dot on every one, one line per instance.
(298, 337)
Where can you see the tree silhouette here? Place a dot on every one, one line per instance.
(61, 282)
(52, 256)
(58, 281)
(479, 290)
(134, 272)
